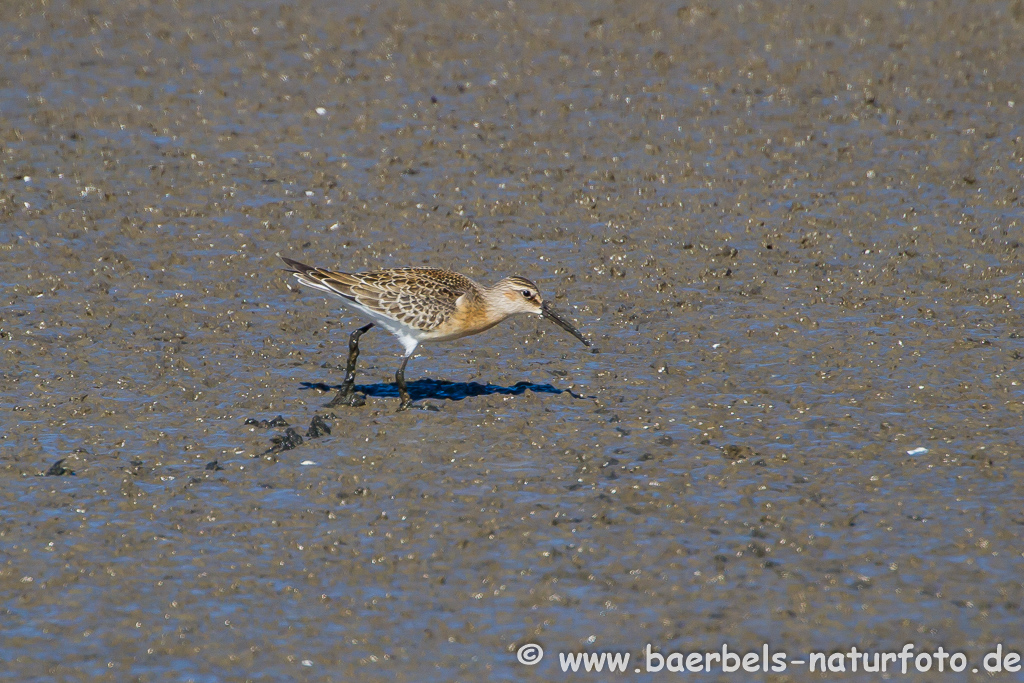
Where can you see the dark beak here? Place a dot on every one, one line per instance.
(565, 325)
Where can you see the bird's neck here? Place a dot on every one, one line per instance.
(473, 313)
(489, 304)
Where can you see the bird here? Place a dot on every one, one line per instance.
(422, 305)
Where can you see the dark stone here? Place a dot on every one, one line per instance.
(278, 421)
(317, 428)
(290, 440)
(734, 452)
(57, 469)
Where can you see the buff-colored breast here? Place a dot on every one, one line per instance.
(471, 316)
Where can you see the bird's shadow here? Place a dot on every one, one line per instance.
(440, 389)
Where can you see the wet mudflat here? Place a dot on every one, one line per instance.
(792, 231)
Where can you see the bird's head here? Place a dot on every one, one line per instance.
(519, 295)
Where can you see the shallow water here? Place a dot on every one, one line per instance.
(793, 234)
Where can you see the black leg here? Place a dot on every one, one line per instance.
(402, 390)
(346, 395)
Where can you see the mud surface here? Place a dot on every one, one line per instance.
(793, 231)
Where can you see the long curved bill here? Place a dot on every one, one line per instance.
(564, 324)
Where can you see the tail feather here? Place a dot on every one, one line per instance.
(317, 278)
(297, 266)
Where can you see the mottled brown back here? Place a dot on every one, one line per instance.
(422, 298)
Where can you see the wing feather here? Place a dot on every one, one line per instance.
(422, 298)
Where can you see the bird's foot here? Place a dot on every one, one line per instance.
(347, 396)
(405, 404)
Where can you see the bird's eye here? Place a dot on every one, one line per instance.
(527, 294)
